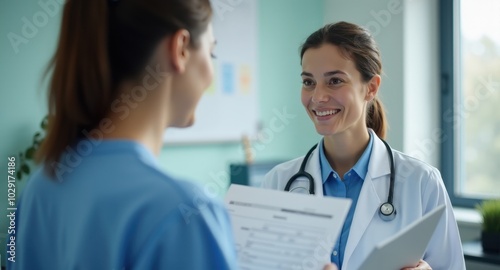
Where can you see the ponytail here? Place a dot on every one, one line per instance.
(79, 90)
(376, 119)
(102, 43)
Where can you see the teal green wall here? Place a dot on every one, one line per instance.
(283, 25)
(22, 97)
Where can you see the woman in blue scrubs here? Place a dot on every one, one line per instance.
(123, 71)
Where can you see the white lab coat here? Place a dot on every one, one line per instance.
(418, 189)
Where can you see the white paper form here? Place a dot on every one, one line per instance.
(281, 230)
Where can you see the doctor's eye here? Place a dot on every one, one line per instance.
(307, 83)
(213, 56)
(335, 81)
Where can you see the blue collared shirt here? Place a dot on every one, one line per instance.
(349, 188)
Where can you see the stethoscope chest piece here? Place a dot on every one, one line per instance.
(387, 211)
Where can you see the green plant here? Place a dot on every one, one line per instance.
(26, 156)
(490, 210)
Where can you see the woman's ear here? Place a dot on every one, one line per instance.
(373, 86)
(178, 50)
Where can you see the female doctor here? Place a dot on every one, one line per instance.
(341, 69)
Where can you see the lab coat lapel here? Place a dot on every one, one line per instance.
(368, 201)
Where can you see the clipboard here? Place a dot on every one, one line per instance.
(405, 248)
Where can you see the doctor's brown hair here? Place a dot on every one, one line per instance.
(101, 44)
(358, 45)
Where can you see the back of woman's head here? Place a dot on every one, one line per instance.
(357, 44)
(103, 43)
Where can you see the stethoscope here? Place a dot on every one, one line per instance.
(387, 211)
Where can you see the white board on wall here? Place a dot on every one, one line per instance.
(228, 110)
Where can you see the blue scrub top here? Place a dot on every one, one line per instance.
(350, 187)
(113, 208)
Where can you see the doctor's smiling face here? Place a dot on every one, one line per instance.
(333, 91)
(341, 69)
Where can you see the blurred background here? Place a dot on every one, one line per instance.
(441, 89)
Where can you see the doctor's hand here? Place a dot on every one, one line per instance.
(422, 265)
(330, 266)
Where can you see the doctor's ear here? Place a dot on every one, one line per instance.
(177, 47)
(372, 87)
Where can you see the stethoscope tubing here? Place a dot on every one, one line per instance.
(384, 215)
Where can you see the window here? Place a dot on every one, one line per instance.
(470, 104)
